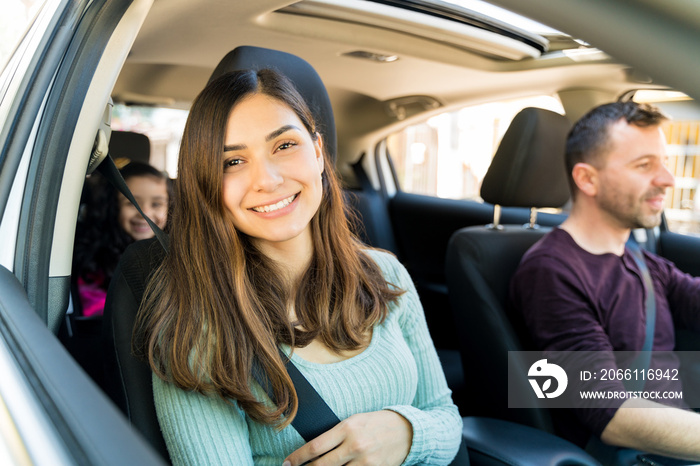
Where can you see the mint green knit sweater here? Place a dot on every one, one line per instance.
(399, 371)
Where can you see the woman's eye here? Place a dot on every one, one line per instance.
(232, 163)
(286, 145)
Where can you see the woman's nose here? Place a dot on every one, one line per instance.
(266, 176)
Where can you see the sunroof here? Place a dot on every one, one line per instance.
(477, 14)
(503, 15)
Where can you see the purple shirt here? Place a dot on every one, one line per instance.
(573, 300)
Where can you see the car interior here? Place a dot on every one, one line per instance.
(370, 70)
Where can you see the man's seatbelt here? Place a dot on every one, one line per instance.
(643, 359)
(607, 453)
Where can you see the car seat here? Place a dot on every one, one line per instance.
(130, 145)
(527, 171)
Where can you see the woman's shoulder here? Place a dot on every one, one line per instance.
(392, 269)
(386, 260)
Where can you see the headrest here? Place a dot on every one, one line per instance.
(300, 72)
(528, 169)
(129, 145)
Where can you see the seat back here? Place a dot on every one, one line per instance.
(130, 145)
(527, 171)
(302, 75)
(479, 266)
(128, 378)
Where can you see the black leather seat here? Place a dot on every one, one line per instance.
(527, 171)
(128, 379)
(130, 145)
(300, 72)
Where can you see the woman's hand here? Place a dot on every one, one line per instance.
(377, 438)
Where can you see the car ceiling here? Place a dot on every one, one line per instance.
(181, 42)
(658, 38)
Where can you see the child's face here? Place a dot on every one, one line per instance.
(152, 195)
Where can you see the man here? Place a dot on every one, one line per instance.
(580, 288)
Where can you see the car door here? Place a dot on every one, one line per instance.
(52, 97)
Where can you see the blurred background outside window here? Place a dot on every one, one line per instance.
(163, 126)
(16, 17)
(448, 155)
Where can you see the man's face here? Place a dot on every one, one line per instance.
(633, 181)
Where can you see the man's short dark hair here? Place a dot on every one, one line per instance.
(588, 139)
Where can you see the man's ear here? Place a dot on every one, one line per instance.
(318, 143)
(586, 178)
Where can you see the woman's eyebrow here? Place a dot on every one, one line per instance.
(232, 147)
(279, 131)
(268, 138)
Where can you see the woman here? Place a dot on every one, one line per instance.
(262, 259)
(109, 223)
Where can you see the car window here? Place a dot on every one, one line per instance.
(17, 16)
(163, 126)
(683, 138)
(448, 155)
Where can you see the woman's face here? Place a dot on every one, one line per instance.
(272, 172)
(152, 195)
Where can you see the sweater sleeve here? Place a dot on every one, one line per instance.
(437, 425)
(199, 429)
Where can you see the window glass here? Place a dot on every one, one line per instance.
(447, 156)
(16, 17)
(504, 15)
(683, 138)
(163, 126)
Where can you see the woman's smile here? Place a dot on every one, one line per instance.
(276, 206)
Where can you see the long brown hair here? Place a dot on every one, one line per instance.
(217, 304)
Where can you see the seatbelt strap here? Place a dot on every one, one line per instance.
(314, 416)
(643, 359)
(607, 453)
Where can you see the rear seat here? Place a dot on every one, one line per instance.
(82, 335)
